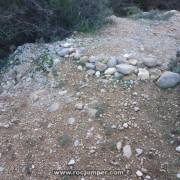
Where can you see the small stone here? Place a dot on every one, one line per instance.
(125, 69)
(168, 80)
(112, 62)
(119, 146)
(139, 173)
(4, 125)
(154, 74)
(101, 66)
(98, 74)
(178, 175)
(77, 55)
(92, 59)
(143, 74)
(127, 152)
(84, 59)
(80, 68)
(138, 152)
(71, 162)
(135, 93)
(122, 60)
(76, 143)
(110, 71)
(150, 62)
(91, 72)
(90, 66)
(66, 45)
(113, 126)
(63, 52)
(71, 121)
(132, 62)
(54, 107)
(118, 75)
(79, 106)
(148, 177)
(178, 149)
(125, 125)
(136, 109)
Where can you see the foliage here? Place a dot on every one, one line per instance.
(24, 21)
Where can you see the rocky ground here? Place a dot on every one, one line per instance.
(104, 101)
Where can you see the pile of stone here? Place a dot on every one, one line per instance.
(130, 68)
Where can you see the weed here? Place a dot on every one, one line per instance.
(100, 110)
(108, 131)
(64, 140)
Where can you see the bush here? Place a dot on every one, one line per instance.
(121, 7)
(28, 20)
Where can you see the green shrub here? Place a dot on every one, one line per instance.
(24, 21)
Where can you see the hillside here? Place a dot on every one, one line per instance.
(101, 101)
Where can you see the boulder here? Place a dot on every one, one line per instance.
(101, 66)
(168, 80)
(125, 69)
(150, 62)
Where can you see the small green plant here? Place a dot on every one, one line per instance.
(110, 145)
(154, 15)
(44, 63)
(64, 140)
(101, 108)
(108, 131)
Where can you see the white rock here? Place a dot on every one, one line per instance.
(133, 62)
(71, 162)
(135, 93)
(125, 125)
(136, 109)
(178, 175)
(110, 71)
(66, 45)
(119, 146)
(178, 148)
(143, 74)
(98, 74)
(4, 125)
(71, 121)
(76, 143)
(148, 177)
(139, 152)
(125, 68)
(139, 173)
(127, 152)
(79, 106)
(80, 68)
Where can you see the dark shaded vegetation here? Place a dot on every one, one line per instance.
(126, 7)
(24, 21)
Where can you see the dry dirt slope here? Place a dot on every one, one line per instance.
(95, 123)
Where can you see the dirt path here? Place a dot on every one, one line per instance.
(93, 123)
